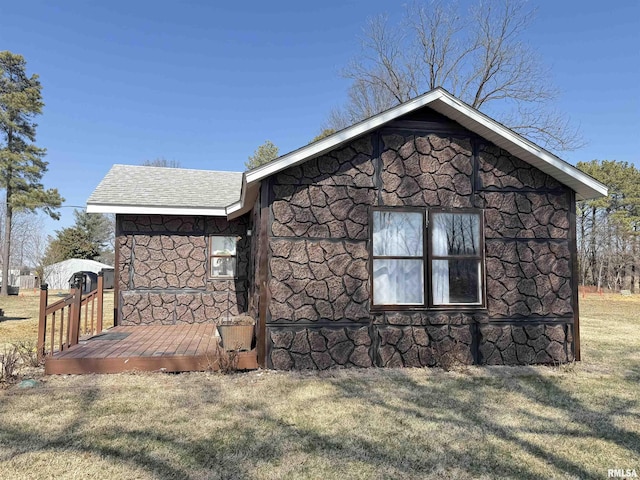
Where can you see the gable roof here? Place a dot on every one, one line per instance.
(446, 104)
(171, 191)
(177, 191)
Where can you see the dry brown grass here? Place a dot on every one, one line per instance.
(20, 321)
(575, 421)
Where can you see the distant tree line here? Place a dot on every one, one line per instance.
(608, 229)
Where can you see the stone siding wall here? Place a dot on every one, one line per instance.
(163, 267)
(425, 346)
(525, 344)
(318, 281)
(319, 313)
(426, 171)
(320, 348)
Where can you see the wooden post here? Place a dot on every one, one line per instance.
(573, 261)
(100, 301)
(118, 264)
(42, 319)
(76, 307)
(263, 259)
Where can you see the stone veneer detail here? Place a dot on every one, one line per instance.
(527, 279)
(430, 346)
(426, 171)
(327, 197)
(318, 280)
(163, 271)
(318, 256)
(320, 348)
(525, 344)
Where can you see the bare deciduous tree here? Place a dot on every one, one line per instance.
(27, 237)
(480, 58)
(161, 162)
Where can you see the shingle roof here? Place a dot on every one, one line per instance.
(157, 187)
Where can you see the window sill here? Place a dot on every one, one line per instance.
(440, 308)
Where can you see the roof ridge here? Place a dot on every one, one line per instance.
(175, 168)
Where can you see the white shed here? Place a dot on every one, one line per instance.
(58, 275)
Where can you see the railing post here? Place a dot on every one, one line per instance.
(42, 319)
(100, 294)
(76, 307)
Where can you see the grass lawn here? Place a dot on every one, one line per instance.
(20, 321)
(575, 421)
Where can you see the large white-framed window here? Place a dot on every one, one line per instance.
(222, 256)
(427, 258)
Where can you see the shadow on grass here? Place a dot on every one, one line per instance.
(6, 319)
(633, 373)
(469, 410)
(253, 435)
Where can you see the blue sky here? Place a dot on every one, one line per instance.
(205, 82)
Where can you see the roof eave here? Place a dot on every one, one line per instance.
(248, 197)
(343, 136)
(155, 209)
(585, 186)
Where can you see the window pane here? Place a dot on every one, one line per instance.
(455, 234)
(398, 282)
(223, 266)
(397, 233)
(456, 281)
(223, 245)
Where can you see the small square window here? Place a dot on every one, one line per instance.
(222, 256)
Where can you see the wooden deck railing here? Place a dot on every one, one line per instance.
(61, 324)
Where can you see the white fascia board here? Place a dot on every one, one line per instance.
(343, 136)
(245, 204)
(443, 102)
(524, 144)
(154, 210)
(234, 210)
(234, 207)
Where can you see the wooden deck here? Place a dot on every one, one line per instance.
(169, 348)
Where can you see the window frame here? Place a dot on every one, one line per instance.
(422, 257)
(211, 256)
(480, 257)
(427, 259)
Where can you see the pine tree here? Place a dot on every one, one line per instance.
(21, 161)
(263, 154)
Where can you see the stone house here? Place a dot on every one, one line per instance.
(426, 234)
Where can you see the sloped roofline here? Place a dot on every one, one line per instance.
(139, 189)
(585, 186)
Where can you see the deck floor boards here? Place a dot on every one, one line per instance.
(173, 348)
